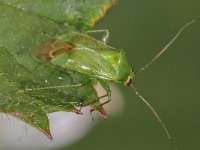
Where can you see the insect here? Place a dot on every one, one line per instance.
(95, 59)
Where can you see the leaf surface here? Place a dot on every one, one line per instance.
(30, 87)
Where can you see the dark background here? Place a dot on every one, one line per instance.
(142, 28)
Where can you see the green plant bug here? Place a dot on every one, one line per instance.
(93, 58)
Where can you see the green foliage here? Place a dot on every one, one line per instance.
(25, 26)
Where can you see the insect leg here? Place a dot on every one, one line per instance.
(107, 101)
(99, 107)
(106, 87)
(105, 36)
(101, 111)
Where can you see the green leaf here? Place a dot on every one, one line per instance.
(78, 13)
(30, 87)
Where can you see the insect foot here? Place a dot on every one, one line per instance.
(78, 111)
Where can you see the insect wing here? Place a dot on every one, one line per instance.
(94, 58)
(83, 40)
(86, 61)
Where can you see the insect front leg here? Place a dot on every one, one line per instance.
(106, 87)
(102, 111)
(99, 107)
(105, 36)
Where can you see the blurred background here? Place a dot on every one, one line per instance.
(171, 85)
(142, 28)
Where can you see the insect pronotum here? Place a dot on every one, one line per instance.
(95, 59)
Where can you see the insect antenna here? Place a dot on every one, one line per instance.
(156, 115)
(166, 46)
